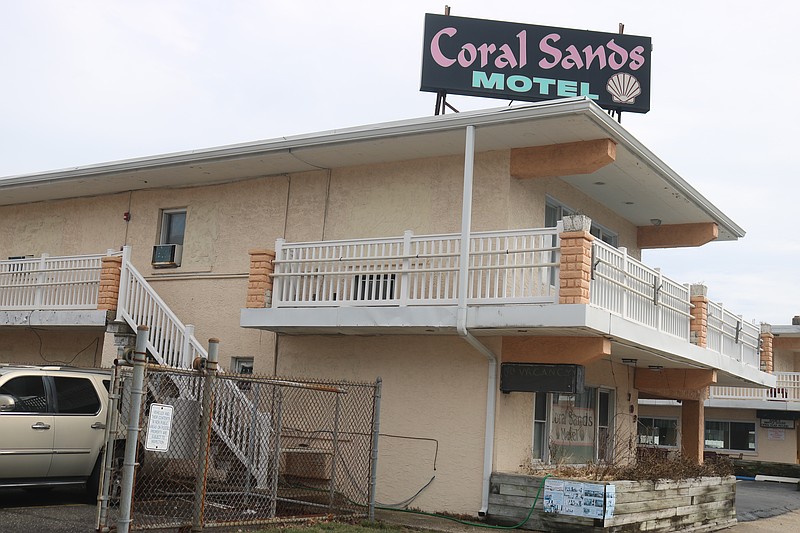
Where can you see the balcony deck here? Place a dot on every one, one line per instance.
(409, 285)
(785, 396)
(51, 291)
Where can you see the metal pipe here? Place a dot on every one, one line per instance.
(336, 418)
(207, 411)
(112, 419)
(376, 422)
(276, 463)
(132, 437)
(461, 322)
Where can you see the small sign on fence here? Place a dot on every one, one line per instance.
(159, 427)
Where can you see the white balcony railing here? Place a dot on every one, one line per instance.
(787, 390)
(504, 267)
(50, 283)
(728, 334)
(514, 266)
(634, 291)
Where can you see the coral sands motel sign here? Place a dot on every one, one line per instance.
(523, 62)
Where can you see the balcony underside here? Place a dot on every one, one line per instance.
(53, 318)
(628, 339)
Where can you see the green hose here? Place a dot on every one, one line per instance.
(475, 524)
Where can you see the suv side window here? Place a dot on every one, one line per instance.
(28, 391)
(76, 396)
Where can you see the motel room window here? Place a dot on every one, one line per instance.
(244, 366)
(654, 431)
(730, 435)
(578, 428)
(555, 211)
(173, 226)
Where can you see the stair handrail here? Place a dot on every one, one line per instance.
(178, 349)
(169, 341)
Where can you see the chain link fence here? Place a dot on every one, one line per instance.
(225, 450)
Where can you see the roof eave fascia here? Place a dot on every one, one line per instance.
(670, 176)
(292, 143)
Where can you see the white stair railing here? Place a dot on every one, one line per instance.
(173, 344)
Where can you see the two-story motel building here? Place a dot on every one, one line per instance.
(429, 252)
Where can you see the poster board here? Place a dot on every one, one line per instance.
(575, 498)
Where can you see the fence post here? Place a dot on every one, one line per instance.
(336, 419)
(276, 458)
(112, 417)
(376, 422)
(132, 438)
(207, 411)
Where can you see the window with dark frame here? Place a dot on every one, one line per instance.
(554, 211)
(173, 226)
(573, 428)
(730, 435)
(654, 431)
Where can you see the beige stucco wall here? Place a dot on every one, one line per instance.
(433, 388)
(42, 346)
(66, 227)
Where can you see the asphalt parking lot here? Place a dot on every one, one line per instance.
(763, 499)
(67, 510)
(61, 510)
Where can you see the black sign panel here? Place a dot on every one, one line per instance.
(766, 414)
(530, 377)
(513, 61)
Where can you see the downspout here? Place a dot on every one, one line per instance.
(461, 319)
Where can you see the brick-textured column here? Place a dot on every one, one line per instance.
(108, 295)
(575, 275)
(259, 285)
(693, 428)
(766, 348)
(698, 329)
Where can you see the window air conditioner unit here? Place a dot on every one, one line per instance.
(167, 255)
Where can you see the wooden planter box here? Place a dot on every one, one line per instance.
(705, 504)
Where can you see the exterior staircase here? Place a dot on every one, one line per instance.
(237, 422)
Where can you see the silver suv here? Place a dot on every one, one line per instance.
(52, 425)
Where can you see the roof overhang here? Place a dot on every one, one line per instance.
(637, 185)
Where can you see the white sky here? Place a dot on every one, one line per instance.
(87, 82)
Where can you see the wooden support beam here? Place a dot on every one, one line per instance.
(568, 159)
(556, 350)
(676, 235)
(675, 383)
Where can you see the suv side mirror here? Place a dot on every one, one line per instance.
(7, 403)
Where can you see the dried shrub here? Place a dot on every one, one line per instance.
(651, 464)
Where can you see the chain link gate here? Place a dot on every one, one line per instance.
(270, 450)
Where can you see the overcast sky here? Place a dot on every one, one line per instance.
(94, 81)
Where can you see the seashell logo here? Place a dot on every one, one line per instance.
(623, 88)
